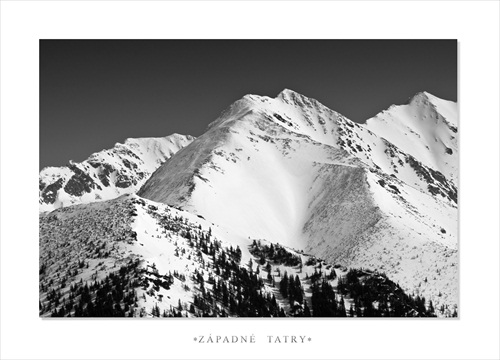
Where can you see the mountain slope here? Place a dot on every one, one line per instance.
(291, 171)
(133, 257)
(107, 174)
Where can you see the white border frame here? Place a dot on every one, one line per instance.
(476, 26)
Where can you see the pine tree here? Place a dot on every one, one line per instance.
(431, 309)
(298, 290)
(307, 311)
(357, 308)
(341, 312)
(156, 311)
(284, 285)
(333, 274)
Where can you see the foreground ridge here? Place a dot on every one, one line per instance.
(205, 277)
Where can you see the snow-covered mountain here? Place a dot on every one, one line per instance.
(292, 171)
(107, 174)
(274, 185)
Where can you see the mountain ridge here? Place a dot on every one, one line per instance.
(108, 173)
(289, 172)
(296, 160)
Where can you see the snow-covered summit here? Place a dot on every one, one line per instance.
(289, 95)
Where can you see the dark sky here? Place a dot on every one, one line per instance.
(95, 93)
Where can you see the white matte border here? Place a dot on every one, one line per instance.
(476, 26)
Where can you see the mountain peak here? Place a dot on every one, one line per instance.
(425, 96)
(286, 91)
(287, 94)
(418, 97)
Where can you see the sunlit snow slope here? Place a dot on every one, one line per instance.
(291, 171)
(107, 174)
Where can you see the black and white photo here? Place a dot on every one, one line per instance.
(248, 178)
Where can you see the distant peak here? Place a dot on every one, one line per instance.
(292, 97)
(422, 96)
(287, 93)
